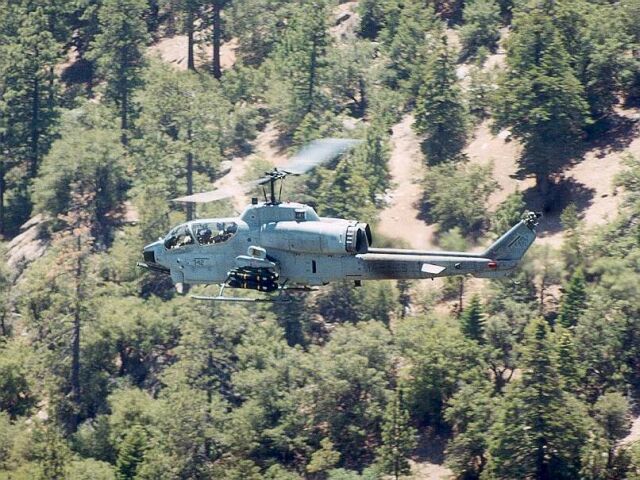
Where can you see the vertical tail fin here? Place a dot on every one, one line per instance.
(513, 244)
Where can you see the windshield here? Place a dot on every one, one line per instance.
(209, 233)
(178, 237)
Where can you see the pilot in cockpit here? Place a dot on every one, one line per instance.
(204, 236)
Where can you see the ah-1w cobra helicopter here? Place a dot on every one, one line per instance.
(276, 245)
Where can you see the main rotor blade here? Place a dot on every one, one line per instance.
(317, 153)
(221, 193)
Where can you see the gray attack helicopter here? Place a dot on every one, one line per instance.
(278, 246)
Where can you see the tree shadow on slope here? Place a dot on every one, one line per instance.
(610, 134)
(431, 447)
(561, 194)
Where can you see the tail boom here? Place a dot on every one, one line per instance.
(498, 260)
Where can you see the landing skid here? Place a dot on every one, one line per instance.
(221, 298)
(241, 299)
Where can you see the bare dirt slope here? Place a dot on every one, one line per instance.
(400, 218)
(173, 50)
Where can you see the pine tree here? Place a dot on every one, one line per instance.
(572, 244)
(323, 459)
(481, 26)
(568, 367)
(574, 300)
(540, 98)
(540, 429)
(28, 104)
(411, 32)
(371, 18)
(469, 413)
(472, 320)
(398, 438)
(440, 113)
(257, 35)
(131, 453)
(118, 51)
(190, 16)
(186, 126)
(374, 153)
(298, 66)
(216, 7)
(508, 213)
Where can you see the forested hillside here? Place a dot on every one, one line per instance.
(110, 108)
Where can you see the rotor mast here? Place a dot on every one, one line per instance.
(273, 176)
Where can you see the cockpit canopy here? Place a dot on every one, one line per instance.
(178, 237)
(208, 233)
(204, 232)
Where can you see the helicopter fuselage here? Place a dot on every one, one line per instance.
(275, 244)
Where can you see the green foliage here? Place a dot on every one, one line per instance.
(352, 74)
(105, 374)
(480, 89)
(324, 459)
(440, 359)
(507, 214)
(29, 102)
(118, 51)
(17, 396)
(257, 34)
(89, 469)
(469, 412)
(398, 438)
(457, 196)
(539, 428)
(186, 127)
(440, 113)
(574, 300)
(86, 158)
(572, 244)
(411, 30)
(371, 18)
(540, 98)
(298, 66)
(131, 453)
(472, 320)
(481, 26)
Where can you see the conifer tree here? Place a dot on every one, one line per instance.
(371, 18)
(469, 413)
(472, 320)
(481, 26)
(216, 7)
(440, 113)
(28, 104)
(411, 31)
(186, 128)
(574, 300)
(567, 359)
(189, 14)
(374, 153)
(118, 51)
(131, 453)
(298, 66)
(507, 214)
(540, 429)
(398, 438)
(540, 99)
(572, 244)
